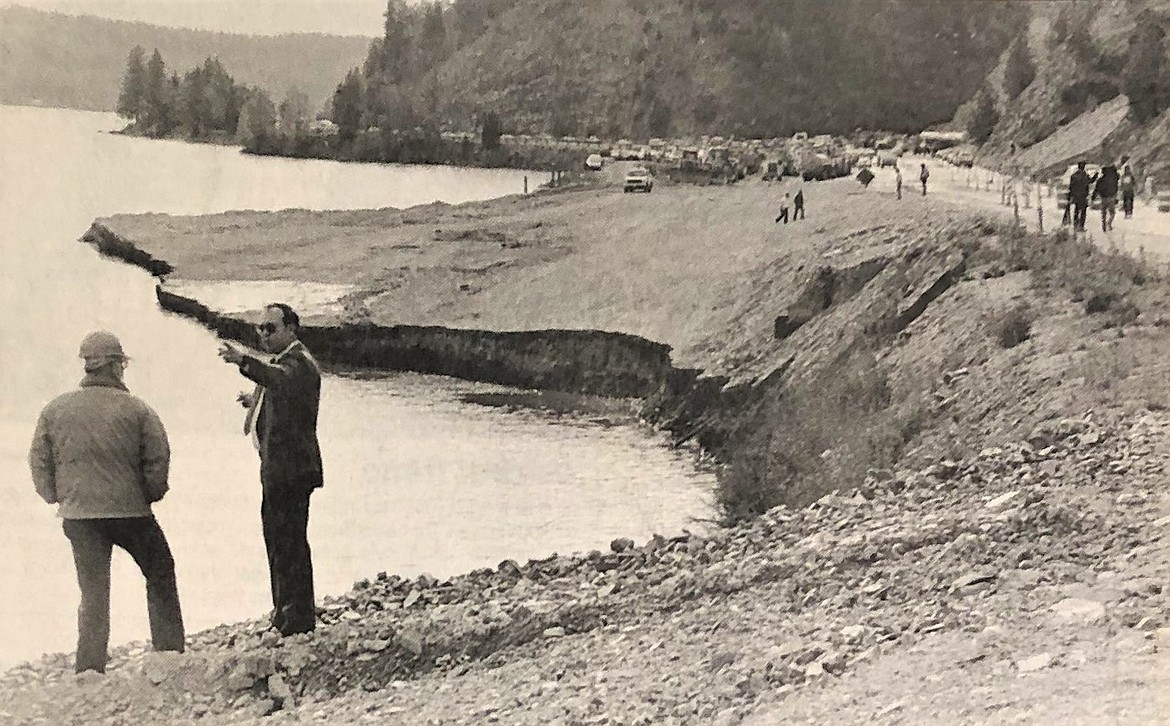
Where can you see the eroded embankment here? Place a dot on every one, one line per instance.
(831, 323)
(577, 361)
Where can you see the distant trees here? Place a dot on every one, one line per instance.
(256, 127)
(984, 116)
(205, 103)
(294, 114)
(1018, 71)
(490, 131)
(1144, 77)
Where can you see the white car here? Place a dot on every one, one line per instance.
(638, 179)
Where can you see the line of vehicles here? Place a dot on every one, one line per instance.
(720, 161)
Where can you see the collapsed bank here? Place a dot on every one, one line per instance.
(802, 358)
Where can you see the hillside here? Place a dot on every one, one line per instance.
(78, 61)
(668, 67)
(1099, 88)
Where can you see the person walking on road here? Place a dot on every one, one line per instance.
(898, 181)
(1128, 186)
(798, 204)
(923, 175)
(101, 455)
(783, 216)
(282, 418)
(1106, 190)
(1079, 185)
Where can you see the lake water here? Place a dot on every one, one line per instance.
(416, 479)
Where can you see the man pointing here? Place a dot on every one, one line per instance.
(282, 418)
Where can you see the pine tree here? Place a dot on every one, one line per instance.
(293, 114)
(491, 131)
(396, 45)
(193, 116)
(1144, 77)
(983, 118)
(158, 97)
(130, 98)
(347, 106)
(433, 46)
(1018, 71)
(256, 128)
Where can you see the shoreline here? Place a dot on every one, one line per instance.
(546, 161)
(863, 353)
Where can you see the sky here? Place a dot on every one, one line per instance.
(262, 17)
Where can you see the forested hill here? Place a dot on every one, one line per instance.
(751, 67)
(78, 61)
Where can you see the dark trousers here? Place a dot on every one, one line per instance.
(924, 187)
(1127, 204)
(783, 215)
(798, 212)
(284, 512)
(92, 541)
(1080, 211)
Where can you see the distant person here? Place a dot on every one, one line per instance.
(923, 175)
(798, 204)
(282, 417)
(783, 216)
(898, 180)
(1128, 186)
(1149, 187)
(101, 455)
(1079, 185)
(1106, 190)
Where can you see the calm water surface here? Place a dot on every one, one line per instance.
(416, 480)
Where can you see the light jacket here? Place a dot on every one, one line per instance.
(286, 419)
(100, 452)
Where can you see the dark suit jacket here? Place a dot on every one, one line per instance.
(286, 424)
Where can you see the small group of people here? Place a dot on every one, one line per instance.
(1105, 185)
(102, 456)
(795, 202)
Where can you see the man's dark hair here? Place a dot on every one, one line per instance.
(288, 316)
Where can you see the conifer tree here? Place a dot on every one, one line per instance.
(347, 106)
(1144, 77)
(984, 117)
(158, 97)
(1018, 71)
(130, 98)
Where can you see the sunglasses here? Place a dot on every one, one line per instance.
(266, 328)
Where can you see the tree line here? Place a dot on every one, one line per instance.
(205, 103)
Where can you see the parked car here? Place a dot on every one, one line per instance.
(964, 159)
(594, 162)
(639, 179)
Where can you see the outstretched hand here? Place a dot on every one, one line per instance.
(231, 353)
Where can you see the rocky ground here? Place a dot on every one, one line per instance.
(1027, 584)
(1009, 570)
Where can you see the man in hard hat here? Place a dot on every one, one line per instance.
(101, 455)
(282, 417)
